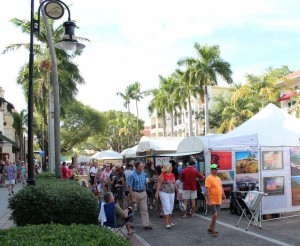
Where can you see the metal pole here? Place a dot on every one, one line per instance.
(31, 180)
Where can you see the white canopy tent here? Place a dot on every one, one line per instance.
(159, 145)
(130, 152)
(194, 144)
(107, 155)
(272, 126)
(271, 132)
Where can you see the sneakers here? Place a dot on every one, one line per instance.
(172, 224)
(168, 226)
(12, 192)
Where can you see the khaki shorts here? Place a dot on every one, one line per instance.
(189, 194)
(10, 182)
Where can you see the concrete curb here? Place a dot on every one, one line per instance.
(5, 222)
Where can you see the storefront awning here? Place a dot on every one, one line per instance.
(3, 138)
(288, 96)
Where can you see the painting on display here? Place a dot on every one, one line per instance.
(246, 162)
(246, 181)
(223, 159)
(226, 175)
(160, 161)
(272, 160)
(295, 161)
(274, 185)
(296, 191)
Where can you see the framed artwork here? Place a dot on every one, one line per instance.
(296, 191)
(226, 175)
(246, 162)
(245, 181)
(274, 185)
(272, 160)
(295, 161)
(223, 159)
(228, 188)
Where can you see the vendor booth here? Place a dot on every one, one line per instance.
(157, 150)
(264, 154)
(129, 154)
(107, 156)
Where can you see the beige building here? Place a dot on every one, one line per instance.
(181, 122)
(7, 132)
(292, 84)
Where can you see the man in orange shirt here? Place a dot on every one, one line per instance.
(214, 195)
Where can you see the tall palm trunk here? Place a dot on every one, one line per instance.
(54, 78)
(206, 110)
(191, 132)
(137, 120)
(172, 123)
(164, 124)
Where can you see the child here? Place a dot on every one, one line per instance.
(179, 185)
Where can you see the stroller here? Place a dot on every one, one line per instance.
(201, 198)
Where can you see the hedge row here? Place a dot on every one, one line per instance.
(54, 201)
(54, 234)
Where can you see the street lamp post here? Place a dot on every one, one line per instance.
(54, 9)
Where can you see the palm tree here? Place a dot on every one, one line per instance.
(48, 62)
(20, 121)
(185, 90)
(137, 96)
(206, 68)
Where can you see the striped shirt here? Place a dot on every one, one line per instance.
(137, 181)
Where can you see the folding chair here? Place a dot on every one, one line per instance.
(250, 207)
(111, 220)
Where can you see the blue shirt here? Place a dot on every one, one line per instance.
(137, 181)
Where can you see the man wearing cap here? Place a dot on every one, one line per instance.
(188, 177)
(214, 195)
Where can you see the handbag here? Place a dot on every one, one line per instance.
(181, 206)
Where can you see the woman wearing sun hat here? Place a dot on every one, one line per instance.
(166, 189)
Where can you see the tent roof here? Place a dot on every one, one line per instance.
(159, 144)
(107, 155)
(194, 144)
(130, 152)
(271, 126)
(83, 159)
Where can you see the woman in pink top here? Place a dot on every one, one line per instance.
(104, 178)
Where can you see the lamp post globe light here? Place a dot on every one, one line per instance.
(54, 9)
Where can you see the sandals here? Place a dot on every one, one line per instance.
(210, 230)
(215, 233)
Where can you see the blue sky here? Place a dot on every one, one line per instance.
(139, 40)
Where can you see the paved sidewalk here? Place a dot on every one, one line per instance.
(4, 211)
(193, 231)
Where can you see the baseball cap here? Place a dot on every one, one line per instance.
(213, 166)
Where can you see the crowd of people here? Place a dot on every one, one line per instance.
(143, 186)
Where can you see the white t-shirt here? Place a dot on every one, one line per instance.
(94, 171)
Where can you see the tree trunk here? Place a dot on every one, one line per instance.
(55, 84)
(191, 132)
(206, 110)
(164, 124)
(172, 123)
(137, 121)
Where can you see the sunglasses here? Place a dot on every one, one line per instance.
(107, 166)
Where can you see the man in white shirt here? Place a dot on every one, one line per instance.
(93, 172)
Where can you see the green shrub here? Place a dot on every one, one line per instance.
(54, 234)
(46, 175)
(54, 201)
